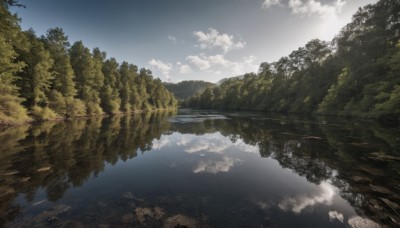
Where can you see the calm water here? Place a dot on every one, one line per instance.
(200, 169)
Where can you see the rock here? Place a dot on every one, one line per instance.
(380, 156)
(359, 144)
(43, 169)
(311, 137)
(61, 208)
(25, 179)
(391, 204)
(10, 173)
(158, 213)
(380, 189)
(142, 213)
(52, 219)
(361, 179)
(371, 170)
(104, 226)
(6, 191)
(128, 195)
(128, 218)
(180, 221)
(38, 203)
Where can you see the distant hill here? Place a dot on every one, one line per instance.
(226, 79)
(186, 89)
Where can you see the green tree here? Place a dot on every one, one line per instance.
(11, 109)
(88, 77)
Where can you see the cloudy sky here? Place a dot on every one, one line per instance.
(192, 39)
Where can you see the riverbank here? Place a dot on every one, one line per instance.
(4, 124)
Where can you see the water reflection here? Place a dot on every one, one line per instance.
(324, 195)
(200, 169)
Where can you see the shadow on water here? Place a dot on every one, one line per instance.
(361, 159)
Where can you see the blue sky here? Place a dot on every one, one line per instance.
(192, 39)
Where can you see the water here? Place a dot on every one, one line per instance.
(200, 169)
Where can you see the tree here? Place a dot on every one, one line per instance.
(110, 92)
(88, 77)
(35, 80)
(11, 109)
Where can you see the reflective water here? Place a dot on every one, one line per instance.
(200, 169)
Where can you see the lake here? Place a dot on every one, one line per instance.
(201, 169)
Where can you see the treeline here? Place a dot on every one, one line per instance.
(46, 78)
(357, 74)
(185, 89)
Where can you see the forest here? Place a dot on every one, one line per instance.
(354, 75)
(43, 78)
(185, 89)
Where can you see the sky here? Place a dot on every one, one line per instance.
(192, 39)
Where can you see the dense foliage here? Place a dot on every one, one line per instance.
(185, 89)
(357, 74)
(45, 78)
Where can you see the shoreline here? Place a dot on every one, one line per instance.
(5, 125)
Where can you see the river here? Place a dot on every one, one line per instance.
(200, 169)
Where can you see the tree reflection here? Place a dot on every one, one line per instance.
(360, 158)
(56, 156)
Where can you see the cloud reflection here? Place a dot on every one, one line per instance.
(296, 204)
(214, 167)
(336, 215)
(213, 143)
(358, 222)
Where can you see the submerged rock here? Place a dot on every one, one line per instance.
(361, 179)
(6, 191)
(25, 179)
(380, 156)
(61, 208)
(128, 195)
(142, 213)
(10, 173)
(52, 219)
(44, 169)
(180, 221)
(158, 213)
(380, 189)
(311, 137)
(127, 218)
(394, 206)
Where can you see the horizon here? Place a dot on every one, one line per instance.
(182, 40)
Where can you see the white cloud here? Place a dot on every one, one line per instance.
(185, 69)
(213, 38)
(219, 63)
(215, 166)
(330, 21)
(296, 204)
(268, 3)
(172, 38)
(165, 68)
(335, 215)
(219, 60)
(315, 7)
(199, 62)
